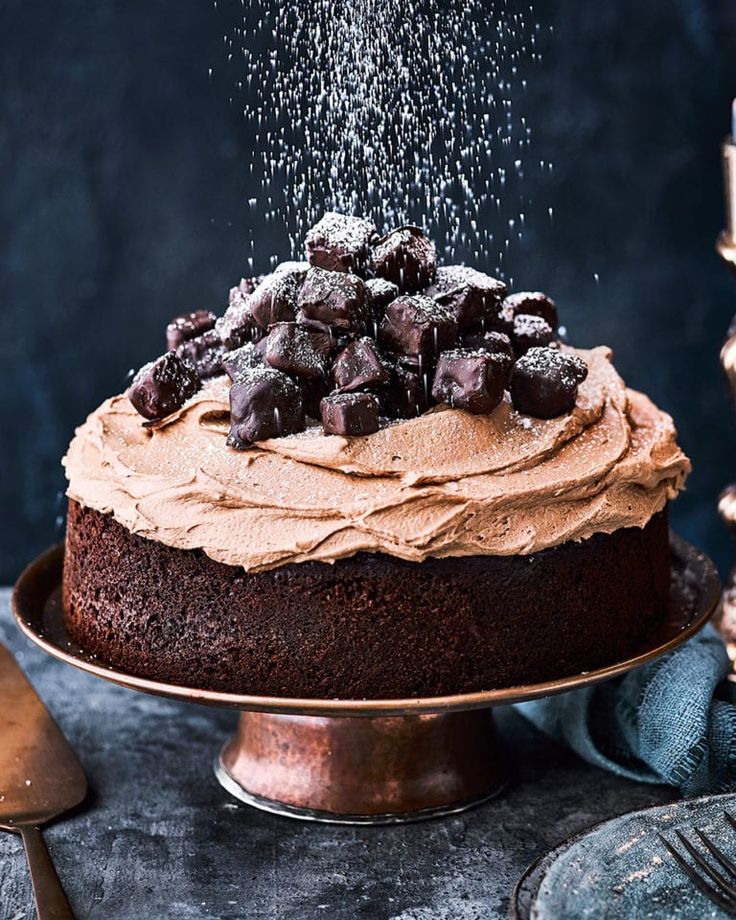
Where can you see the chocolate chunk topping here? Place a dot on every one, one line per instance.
(188, 326)
(260, 347)
(314, 391)
(503, 321)
(297, 270)
(359, 367)
(244, 289)
(163, 386)
(407, 258)
(237, 326)
(334, 298)
(417, 325)
(349, 414)
(340, 243)
(407, 393)
(469, 379)
(496, 343)
(235, 363)
(534, 303)
(316, 326)
(204, 354)
(378, 295)
(471, 296)
(264, 403)
(530, 332)
(298, 349)
(364, 314)
(275, 298)
(342, 340)
(544, 382)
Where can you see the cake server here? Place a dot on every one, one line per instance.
(40, 779)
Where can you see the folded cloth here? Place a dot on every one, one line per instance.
(660, 723)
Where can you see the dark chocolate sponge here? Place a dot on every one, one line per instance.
(371, 626)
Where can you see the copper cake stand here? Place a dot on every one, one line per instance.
(364, 761)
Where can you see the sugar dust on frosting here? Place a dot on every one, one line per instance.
(445, 484)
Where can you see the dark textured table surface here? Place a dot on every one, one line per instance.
(159, 838)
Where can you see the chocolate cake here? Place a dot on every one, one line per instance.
(373, 476)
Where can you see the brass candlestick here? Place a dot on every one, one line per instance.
(726, 246)
(727, 240)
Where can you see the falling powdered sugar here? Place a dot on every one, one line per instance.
(404, 113)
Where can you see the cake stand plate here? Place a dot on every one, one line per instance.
(364, 761)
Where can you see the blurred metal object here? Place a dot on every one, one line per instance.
(40, 779)
(728, 357)
(365, 761)
(727, 616)
(726, 247)
(716, 876)
(726, 244)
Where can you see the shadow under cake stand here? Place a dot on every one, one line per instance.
(364, 761)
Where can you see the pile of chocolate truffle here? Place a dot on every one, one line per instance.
(369, 329)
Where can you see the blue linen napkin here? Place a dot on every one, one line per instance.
(657, 724)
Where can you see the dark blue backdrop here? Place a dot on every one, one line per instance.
(122, 203)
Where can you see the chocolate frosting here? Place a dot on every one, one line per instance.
(445, 484)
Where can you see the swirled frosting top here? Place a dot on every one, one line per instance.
(445, 484)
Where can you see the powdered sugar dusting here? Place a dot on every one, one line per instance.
(404, 113)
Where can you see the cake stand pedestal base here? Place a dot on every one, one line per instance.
(362, 769)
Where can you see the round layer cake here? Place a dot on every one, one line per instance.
(447, 553)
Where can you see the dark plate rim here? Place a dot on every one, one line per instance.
(526, 890)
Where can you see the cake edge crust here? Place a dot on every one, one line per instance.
(368, 627)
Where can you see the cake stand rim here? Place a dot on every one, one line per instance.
(43, 567)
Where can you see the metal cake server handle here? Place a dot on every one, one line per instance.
(51, 901)
(40, 778)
